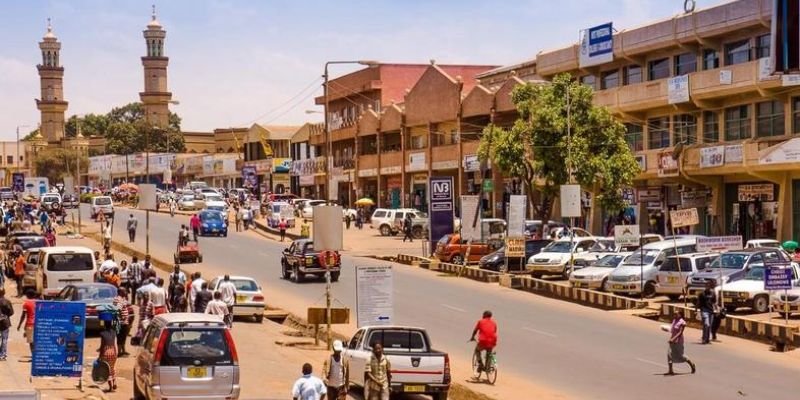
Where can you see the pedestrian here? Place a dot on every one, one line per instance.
(706, 302)
(6, 311)
(335, 373)
(203, 297)
(246, 216)
(217, 307)
(112, 277)
(50, 237)
(176, 279)
(44, 220)
(347, 221)
(19, 272)
(379, 375)
(135, 277)
(125, 319)
(228, 291)
(407, 228)
(675, 354)
(133, 223)
(282, 228)
(172, 206)
(108, 348)
(309, 387)
(28, 316)
(148, 266)
(360, 219)
(179, 303)
(238, 218)
(124, 279)
(158, 297)
(194, 222)
(195, 288)
(143, 293)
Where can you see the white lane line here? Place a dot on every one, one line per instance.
(650, 362)
(539, 332)
(453, 308)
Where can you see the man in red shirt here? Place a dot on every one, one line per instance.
(28, 315)
(194, 222)
(486, 329)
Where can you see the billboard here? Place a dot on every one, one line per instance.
(58, 332)
(597, 46)
(440, 200)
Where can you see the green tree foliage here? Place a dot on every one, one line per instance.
(56, 163)
(538, 149)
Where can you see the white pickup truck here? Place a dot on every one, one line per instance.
(415, 368)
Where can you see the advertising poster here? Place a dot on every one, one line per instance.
(469, 208)
(440, 201)
(58, 332)
(374, 298)
(18, 179)
(516, 215)
(249, 176)
(719, 243)
(597, 45)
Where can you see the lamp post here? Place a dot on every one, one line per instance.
(329, 182)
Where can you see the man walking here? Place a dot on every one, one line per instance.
(28, 316)
(227, 291)
(135, 277)
(133, 223)
(407, 228)
(203, 297)
(217, 307)
(379, 374)
(308, 387)
(176, 279)
(282, 228)
(706, 302)
(335, 373)
(6, 311)
(196, 287)
(194, 222)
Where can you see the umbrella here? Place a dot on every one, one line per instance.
(128, 186)
(790, 246)
(366, 201)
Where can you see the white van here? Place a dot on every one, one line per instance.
(389, 221)
(674, 273)
(641, 268)
(102, 205)
(63, 265)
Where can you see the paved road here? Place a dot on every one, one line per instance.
(577, 351)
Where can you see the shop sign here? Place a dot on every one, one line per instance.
(394, 182)
(309, 166)
(471, 163)
(306, 180)
(649, 195)
(628, 196)
(419, 179)
(667, 166)
(488, 185)
(757, 191)
(597, 46)
(452, 164)
(515, 247)
(685, 217)
(641, 159)
(725, 77)
(695, 198)
(778, 277)
(678, 89)
(786, 152)
(790, 79)
(653, 205)
(733, 154)
(367, 172)
(281, 165)
(441, 197)
(261, 166)
(626, 235)
(416, 162)
(719, 243)
(391, 170)
(764, 68)
(712, 156)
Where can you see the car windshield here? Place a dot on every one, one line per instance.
(755, 273)
(70, 262)
(610, 261)
(192, 346)
(245, 285)
(444, 240)
(211, 216)
(558, 247)
(95, 292)
(102, 201)
(216, 208)
(730, 261)
(187, 198)
(31, 242)
(645, 257)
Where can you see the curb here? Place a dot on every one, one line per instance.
(591, 298)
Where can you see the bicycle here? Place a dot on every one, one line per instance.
(490, 367)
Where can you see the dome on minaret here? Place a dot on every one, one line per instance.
(49, 36)
(154, 24)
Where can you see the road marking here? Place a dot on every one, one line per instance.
(649, 362)
(453, 308)
(539, 332)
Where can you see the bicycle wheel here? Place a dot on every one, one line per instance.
(491, 370)
(476, 373)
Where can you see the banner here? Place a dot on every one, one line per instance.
(759, 191)
(249, 177)
(685, 217)
(786, 152)
(58, 332)
(719, 243)
(570, 201)
(440, 201)
(469, 209)
(18, 179)
(626, 235)
(667, 166)
(678, 89)
(597, 46)
(281, 165)
(712, 156)
(471, 163)
(733, 154)
(516, 214)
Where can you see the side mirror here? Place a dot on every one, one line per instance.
(658, 263)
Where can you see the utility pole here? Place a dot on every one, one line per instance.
(569, 170)
(78, 173)
(147, 180)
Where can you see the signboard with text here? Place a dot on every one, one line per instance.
(374, 296)
(515, 247)
(719, 243)
(58, 332)
(685, 217)
(597, 46)
(440, 200)
(777, 277)
(626, 235)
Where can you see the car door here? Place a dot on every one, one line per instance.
(144, 358)
(287, 253)
(356, 358)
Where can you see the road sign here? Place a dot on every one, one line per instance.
(316, 315)
(488, 185)
(626, 235)
(374, 296)
(148, 199)
(469, 208)
(719, 243)
(570, 201)
(58, 332)
(778, 277)
(515, 247)
(516, 214)
(685, 217)
(441, 208)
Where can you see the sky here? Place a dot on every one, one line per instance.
(236, 62)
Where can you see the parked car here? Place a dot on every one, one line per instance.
(70, 201)
(212, 223)
(452, 249)
(249, 297)
(31, 265)
(94, 295)
(762, 243)
(749, 291)
(535, 226)
(300, 259)
(555, 258)
(50, 201)
(389, 221)
(280, 210)
(186, 202)
(496, 260)
(307, 211)
(416, 367)
(637, 274)
(215, 200)
(596, 275)
(732, 266)
(102, 204)
(60, 266)
(186, 356)
(673, 275)
(787, 302)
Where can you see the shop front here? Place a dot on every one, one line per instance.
(751, 209)
(418, 194)
(391, 191)
(367, 183)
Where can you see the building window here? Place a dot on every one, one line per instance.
(710, 59)
(9, 160)
(685, 63)
(710, 127)
(737, 52)
(634, 135)
(684, 128)
(763, 44)
(796, 114)
(658, 69)
(609, 79)
(737, 123)
(632, 74)
(769, 119)
(658, 133)
(588, 80)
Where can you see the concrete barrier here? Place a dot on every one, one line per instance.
(408, 259)
(473, 273)
(783, 337)
(591, 298)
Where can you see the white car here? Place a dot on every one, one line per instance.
(215, 201)
(749, 291)
(249, 297)
(308, 208)
(595, 277)
(554, 259)
(763, 243)
(787, 302)
(673, 275)
(186, 202)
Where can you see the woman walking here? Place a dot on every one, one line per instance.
(108, 349)
(126, 317)
(675, 353)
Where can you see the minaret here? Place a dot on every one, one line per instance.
(51, 77)
(155, 97)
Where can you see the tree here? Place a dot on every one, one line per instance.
(56, 163)
(539, 151)
(91, 125)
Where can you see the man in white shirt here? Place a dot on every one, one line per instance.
(197, 286)
(158, 296)
(108, 264)
(309, 387)
(228, 291)
(145, 289)
(217, 306)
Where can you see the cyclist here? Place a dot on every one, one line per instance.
(486, 329)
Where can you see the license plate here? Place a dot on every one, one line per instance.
(672, 279)
(196, 372)
(414, 388)
(241, 298)
(618, 287)
(729, 299)
(214, 230)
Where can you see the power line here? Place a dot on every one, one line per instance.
(279, 107)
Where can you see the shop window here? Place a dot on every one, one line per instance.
(632, 74)
(737, 52)
(634, 135)
(710, 59)
(737, 123)
(763, 44)
(710, 127)
(609, 79)
(769, 119)
(684, 128)
(685, 63)
(658, 133)
(9, 160)
(658, 69)
(589, 80)
(796, 114)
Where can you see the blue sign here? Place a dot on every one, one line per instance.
(441, 208)
(597, 46)
(777, 277)
(18, 179)
(58, 333)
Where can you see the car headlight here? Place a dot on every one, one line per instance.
(634, 278)
(205, 225)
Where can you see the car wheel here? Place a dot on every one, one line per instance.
(457, 259)
(602, 287)
(385, 230)
(335, 276)
(259, 319)
(296, 275)
(417, 232)
(649, 289)
(761, 304)
(285, 271)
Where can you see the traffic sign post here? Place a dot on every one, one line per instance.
(779, 277)
(680, 219)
